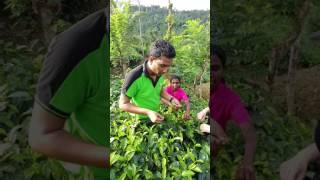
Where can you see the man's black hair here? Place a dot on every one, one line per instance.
(216, 50)
(162, 48)
(175, 77)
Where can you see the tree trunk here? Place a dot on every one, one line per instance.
(169, 22)
(124, 65)
(293, 61)
(294, 55)
(47, 18)
(140, 31)
(194, 83)
(280, 50)
(47, 11)
(201, 78)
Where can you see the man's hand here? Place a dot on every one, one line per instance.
(245, 172)
(205, 128)
(186, 116)
(202, 114)
(155, 117)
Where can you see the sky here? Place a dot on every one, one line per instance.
(177, 4)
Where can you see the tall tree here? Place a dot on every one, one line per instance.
(140, 30)
(294, 56)
(170, 21)
(120, 35)
(192, 46)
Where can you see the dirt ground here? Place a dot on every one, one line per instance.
(203, 90)
(307, 92)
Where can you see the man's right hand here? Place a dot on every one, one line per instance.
(155, 117)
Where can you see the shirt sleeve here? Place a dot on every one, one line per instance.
(130, 86)
(64, 82)
(132, 90)
(68, 95)
(239, 113)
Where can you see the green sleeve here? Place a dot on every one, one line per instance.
(74, 90)
(133, 89)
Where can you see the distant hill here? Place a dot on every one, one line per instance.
(153, 20)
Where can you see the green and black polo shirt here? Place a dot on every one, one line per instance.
(74, 81)
(142, 90)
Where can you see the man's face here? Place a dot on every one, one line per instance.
(160, 65)
(175, 83)
(216, 70)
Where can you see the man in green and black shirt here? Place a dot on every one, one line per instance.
(73, 86)
(144, 85)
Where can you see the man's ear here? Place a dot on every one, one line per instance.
(151, 58)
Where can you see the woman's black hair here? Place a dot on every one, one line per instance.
(175, 77)
(216, 50)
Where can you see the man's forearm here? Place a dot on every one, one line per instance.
(310, 153)
(165, 102)
(128, 107)
(165, 95)
(61, 145)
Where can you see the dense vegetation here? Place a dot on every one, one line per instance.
(264, 39)
(141, 150)
(257, 35)
(175, 149)
(23, 47)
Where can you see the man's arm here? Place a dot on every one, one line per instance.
(166, 102)
(125, 105)
(165, 95)
(168, 97)
(47, 136)
(296, 167)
